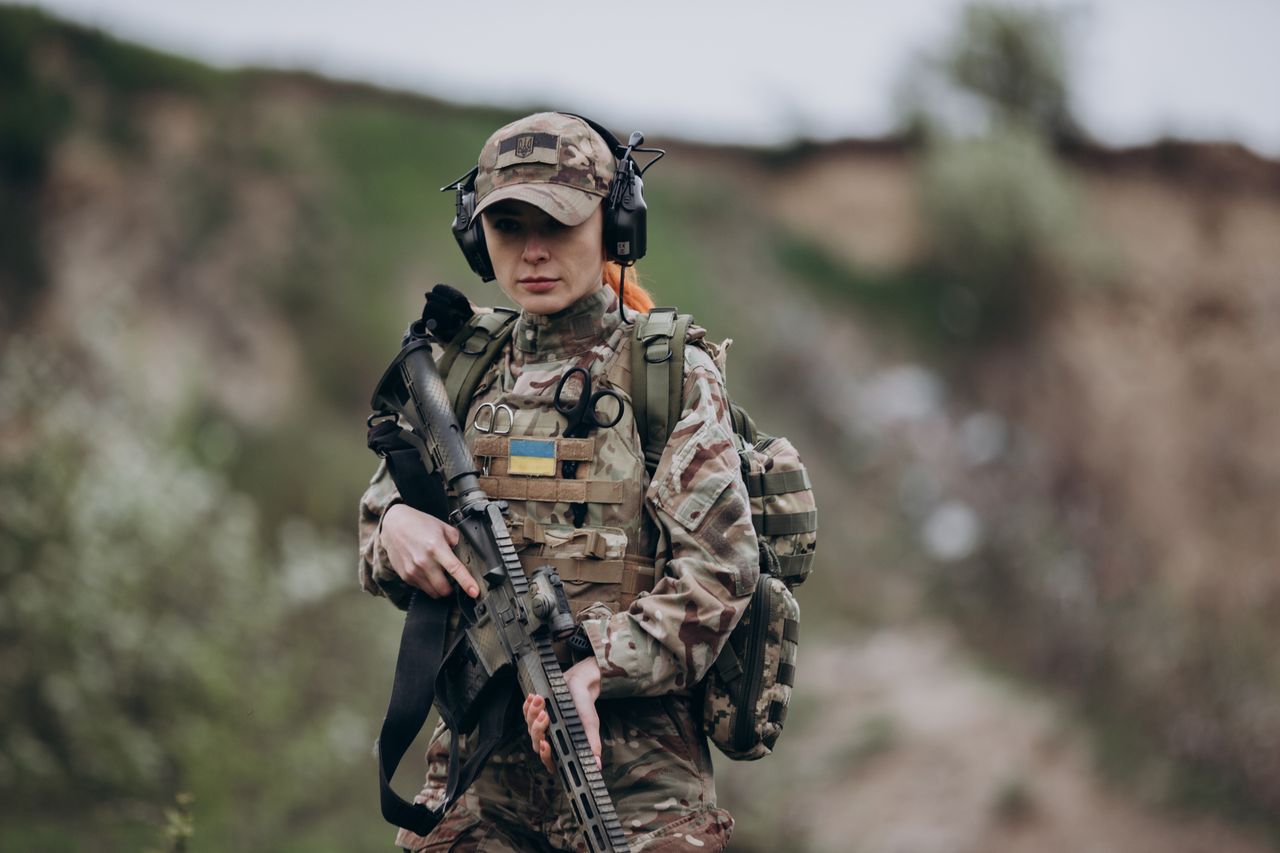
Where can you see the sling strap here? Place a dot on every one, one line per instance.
(466, 358)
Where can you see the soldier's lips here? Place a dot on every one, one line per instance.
(538, 285)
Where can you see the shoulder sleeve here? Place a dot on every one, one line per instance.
(667, 640)
(374, 570)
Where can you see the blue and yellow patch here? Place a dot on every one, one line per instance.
(532, 457)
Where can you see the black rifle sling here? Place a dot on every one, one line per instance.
(412, 694)
(413, 691)
(421, 656)
(417, 488)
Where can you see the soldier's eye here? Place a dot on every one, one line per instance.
(506, 225)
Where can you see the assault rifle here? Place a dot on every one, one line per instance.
(507, 630)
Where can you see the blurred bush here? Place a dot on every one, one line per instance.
(1004, 227)
(151, 627)
(1001, 66)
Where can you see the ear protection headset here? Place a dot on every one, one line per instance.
(624, 207)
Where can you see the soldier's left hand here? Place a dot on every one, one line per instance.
(583, 681)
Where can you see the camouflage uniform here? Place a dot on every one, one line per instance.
(653, 641)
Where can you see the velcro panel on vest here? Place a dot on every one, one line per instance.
(567, 449)
(555, 491)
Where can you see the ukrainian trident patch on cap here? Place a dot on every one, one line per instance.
(532, 457)
(529, 148)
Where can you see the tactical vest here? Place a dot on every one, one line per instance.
(607, 559)
(747, 693)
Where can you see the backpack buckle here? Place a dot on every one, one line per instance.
(477, 334)
(651, 349)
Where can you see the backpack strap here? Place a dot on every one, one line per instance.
(743, 425)
(466, 358)
(657, 378)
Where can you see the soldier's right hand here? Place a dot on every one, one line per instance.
(420, 547)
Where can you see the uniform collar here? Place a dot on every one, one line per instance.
(585, 323)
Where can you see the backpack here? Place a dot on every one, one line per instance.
(748, 690)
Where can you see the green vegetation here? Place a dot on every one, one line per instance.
(1002, 226)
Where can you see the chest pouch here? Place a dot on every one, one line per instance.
(592, 562)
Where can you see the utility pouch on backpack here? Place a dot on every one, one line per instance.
(783, 508)
(748, 691)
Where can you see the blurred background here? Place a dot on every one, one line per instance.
(1006, 274)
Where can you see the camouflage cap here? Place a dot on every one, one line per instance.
(553, 161)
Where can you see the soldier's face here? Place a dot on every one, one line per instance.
(543, 265)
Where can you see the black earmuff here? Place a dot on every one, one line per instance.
(466, 227)
(625, 232)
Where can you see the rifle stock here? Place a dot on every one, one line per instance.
(511, 624)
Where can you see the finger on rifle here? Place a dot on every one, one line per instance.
(451, 564)
(451, 535)
(545, 754)
(432, 581)
(538, 732)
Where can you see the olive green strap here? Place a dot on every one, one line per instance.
(777, 482)
(742, 423)
(467, 357)
(794, 567)
(728, 665)
(786, 524)
(657, 376)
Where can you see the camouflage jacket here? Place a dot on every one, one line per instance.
(690, 527)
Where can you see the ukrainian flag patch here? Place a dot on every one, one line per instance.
(532, 457)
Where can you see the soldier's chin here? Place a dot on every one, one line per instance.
(543, 303)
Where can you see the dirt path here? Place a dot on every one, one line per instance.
(902, 744)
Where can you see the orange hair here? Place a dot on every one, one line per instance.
(634, 296)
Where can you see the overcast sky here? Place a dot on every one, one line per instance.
(735, 71)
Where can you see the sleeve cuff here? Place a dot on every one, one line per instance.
(616, 654)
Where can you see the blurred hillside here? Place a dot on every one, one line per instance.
(1032, 379)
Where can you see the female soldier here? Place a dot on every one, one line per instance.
(658, 571)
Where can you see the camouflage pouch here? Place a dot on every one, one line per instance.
(783, 507)
(748, 690)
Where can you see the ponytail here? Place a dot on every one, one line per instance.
(634, 296)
